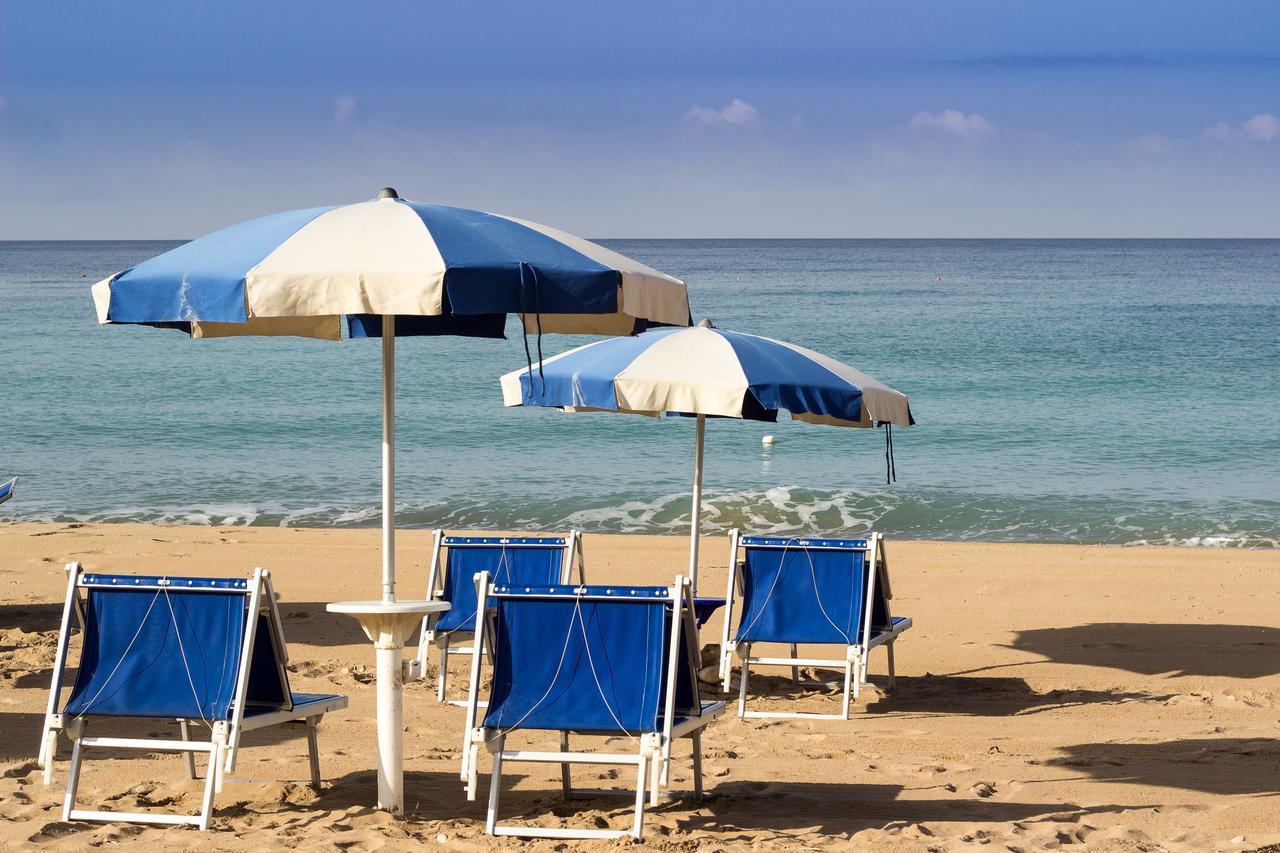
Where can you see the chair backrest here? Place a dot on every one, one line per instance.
(808, 590)
(590, 658)
(6, 489)
(173, 647)
(509, 560)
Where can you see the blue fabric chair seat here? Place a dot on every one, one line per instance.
(300, 703)
(704, 607)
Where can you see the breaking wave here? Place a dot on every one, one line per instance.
(938, 514)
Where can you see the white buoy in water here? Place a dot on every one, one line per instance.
(767, 440)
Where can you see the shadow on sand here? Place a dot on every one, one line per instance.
(990, 696)
(1231, 651)
(308, 623)
(1231, 766)
(841, 809)
(978, 696)
(31, 617)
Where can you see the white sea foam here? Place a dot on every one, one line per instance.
(781, 509)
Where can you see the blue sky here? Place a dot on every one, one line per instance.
(659, 119)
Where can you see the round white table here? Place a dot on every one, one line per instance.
(388, 624)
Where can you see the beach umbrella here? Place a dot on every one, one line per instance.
(707, 372)
(388, 268)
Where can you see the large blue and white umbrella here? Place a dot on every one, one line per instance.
(386, 268)
(393, 264)
(436, 269)
(705, 371)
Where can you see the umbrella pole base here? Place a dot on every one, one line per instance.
(390, 728)
(389, 624)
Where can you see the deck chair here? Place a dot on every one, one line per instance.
(6, 489)
(534, 560)
(589, 660)
(813, 591)
(206, 652)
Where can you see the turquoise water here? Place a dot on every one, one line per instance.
(1119, 391)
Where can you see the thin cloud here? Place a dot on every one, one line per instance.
(343, 107)
(971, 127)
(1262, 127)
(737, 113)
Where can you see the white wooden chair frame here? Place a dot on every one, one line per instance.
(652, 759)
(856, 655)
(435, 590)
(223, 746)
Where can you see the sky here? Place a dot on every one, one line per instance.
(656, 119)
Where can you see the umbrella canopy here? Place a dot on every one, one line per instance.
(707, 371)
(702, 372)
(440, 270)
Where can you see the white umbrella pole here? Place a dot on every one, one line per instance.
(696, 514)
(389, 622)
(388, 457)
(389, 654)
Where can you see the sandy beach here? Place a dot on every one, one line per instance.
(1049, 696)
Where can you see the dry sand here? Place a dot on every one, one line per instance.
(1049, 697)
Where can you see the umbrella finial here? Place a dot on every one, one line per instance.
(705, 323)
(388, 192)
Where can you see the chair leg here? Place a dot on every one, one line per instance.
(473, 771)
(443, 675)
(637, 823)
(75, 730)
(697, 765)
(795, 670)
(850, 667)
(313, 751)
(185, 727)
(212, 784)
(893, 676)
(495, 783)
(424, 649)
(655, 779)
(564, 766)
(218, 751)
(468, 756)
(49, 752)
(742, 684)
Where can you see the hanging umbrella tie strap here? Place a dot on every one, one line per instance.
(890, 465)
(537, 313)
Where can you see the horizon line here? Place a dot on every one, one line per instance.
(707, 239)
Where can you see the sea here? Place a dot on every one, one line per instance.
(1091, 391)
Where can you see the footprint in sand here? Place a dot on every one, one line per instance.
(55, 830)
(983, 790)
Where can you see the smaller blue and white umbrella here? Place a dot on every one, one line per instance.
(707, 372)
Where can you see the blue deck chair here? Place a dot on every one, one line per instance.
(810, 591)
(206, 652)
(589, 660)
(6, 489)
(532, 560)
